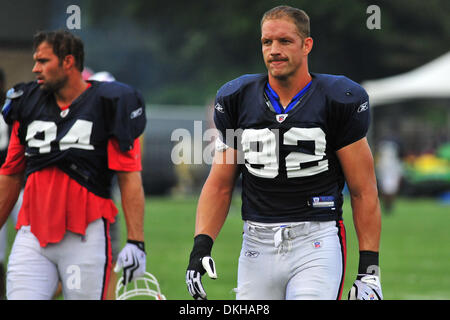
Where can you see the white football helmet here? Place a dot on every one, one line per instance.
(146, 286)
(103, 76)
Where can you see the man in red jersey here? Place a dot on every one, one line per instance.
(69, 138)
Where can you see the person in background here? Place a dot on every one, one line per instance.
(389, 171)
(5, 132)
(69, 138)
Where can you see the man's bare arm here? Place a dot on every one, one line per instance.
(133, 203)
(215, 198)
(357, 163)
(10, 186)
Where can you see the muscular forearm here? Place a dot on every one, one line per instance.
(10, 186)
(216, 194)
(357, 164)
(367, 220)
(133, 203)
(212, 210)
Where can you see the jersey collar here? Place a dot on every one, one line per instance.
(274, 99)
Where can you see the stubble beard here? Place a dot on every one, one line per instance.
(54, 86)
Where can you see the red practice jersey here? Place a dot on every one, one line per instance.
(54, 203)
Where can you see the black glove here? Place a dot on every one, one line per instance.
(200, 261)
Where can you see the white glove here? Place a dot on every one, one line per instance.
(132, 259)
(194, 277)
(366, 287)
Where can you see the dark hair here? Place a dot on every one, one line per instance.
(299, 17)
(64, 43)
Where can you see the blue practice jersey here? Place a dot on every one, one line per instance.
(75, 139)
(290, 171)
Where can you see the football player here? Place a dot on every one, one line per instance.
(69, 138)
(295, 137)
(4, 140)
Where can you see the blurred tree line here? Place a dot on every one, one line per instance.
(181, 52)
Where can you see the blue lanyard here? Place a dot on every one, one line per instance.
(275, 99)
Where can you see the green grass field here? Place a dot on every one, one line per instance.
(415, 249)
(414, 257)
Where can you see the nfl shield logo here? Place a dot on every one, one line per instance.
(64, 113)
(317, 244)
(281, 117)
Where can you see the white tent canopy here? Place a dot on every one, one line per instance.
(431, 80)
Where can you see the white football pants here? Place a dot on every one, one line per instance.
(81, 263)
(292, 261)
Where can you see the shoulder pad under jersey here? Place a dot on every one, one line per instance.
(341, 89)
(237, 84)
(14, 97)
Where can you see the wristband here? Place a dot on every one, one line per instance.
(139, 244)
(202, 246)
(368, 263)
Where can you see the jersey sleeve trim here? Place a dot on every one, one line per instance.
(124, 161)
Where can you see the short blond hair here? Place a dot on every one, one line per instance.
(299, 17)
